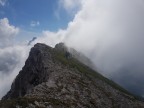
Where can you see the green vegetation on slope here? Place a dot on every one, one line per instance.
(74, 63)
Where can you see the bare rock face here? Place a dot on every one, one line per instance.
(51, 80)
(33, 73)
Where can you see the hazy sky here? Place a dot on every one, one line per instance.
(109, 32)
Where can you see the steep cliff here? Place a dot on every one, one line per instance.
(52, 78)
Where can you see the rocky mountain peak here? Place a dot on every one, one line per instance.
(61, 46)
(50, 80)
(33, 73)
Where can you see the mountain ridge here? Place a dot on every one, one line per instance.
(53, 78)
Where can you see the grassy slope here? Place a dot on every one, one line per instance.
(73, 63)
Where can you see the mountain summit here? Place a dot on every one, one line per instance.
(56, 78)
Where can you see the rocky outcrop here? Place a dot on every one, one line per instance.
(33, 73)
(75, 54)
(50, 80)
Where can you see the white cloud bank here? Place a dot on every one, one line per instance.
(12, 56)
(12, 61)
(7, 32)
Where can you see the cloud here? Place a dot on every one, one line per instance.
(70, 5)
(3, 2)
(7, 32)
(12, 55)
(12, 61)
(51, 38)
(111, 34)
(34, 23)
